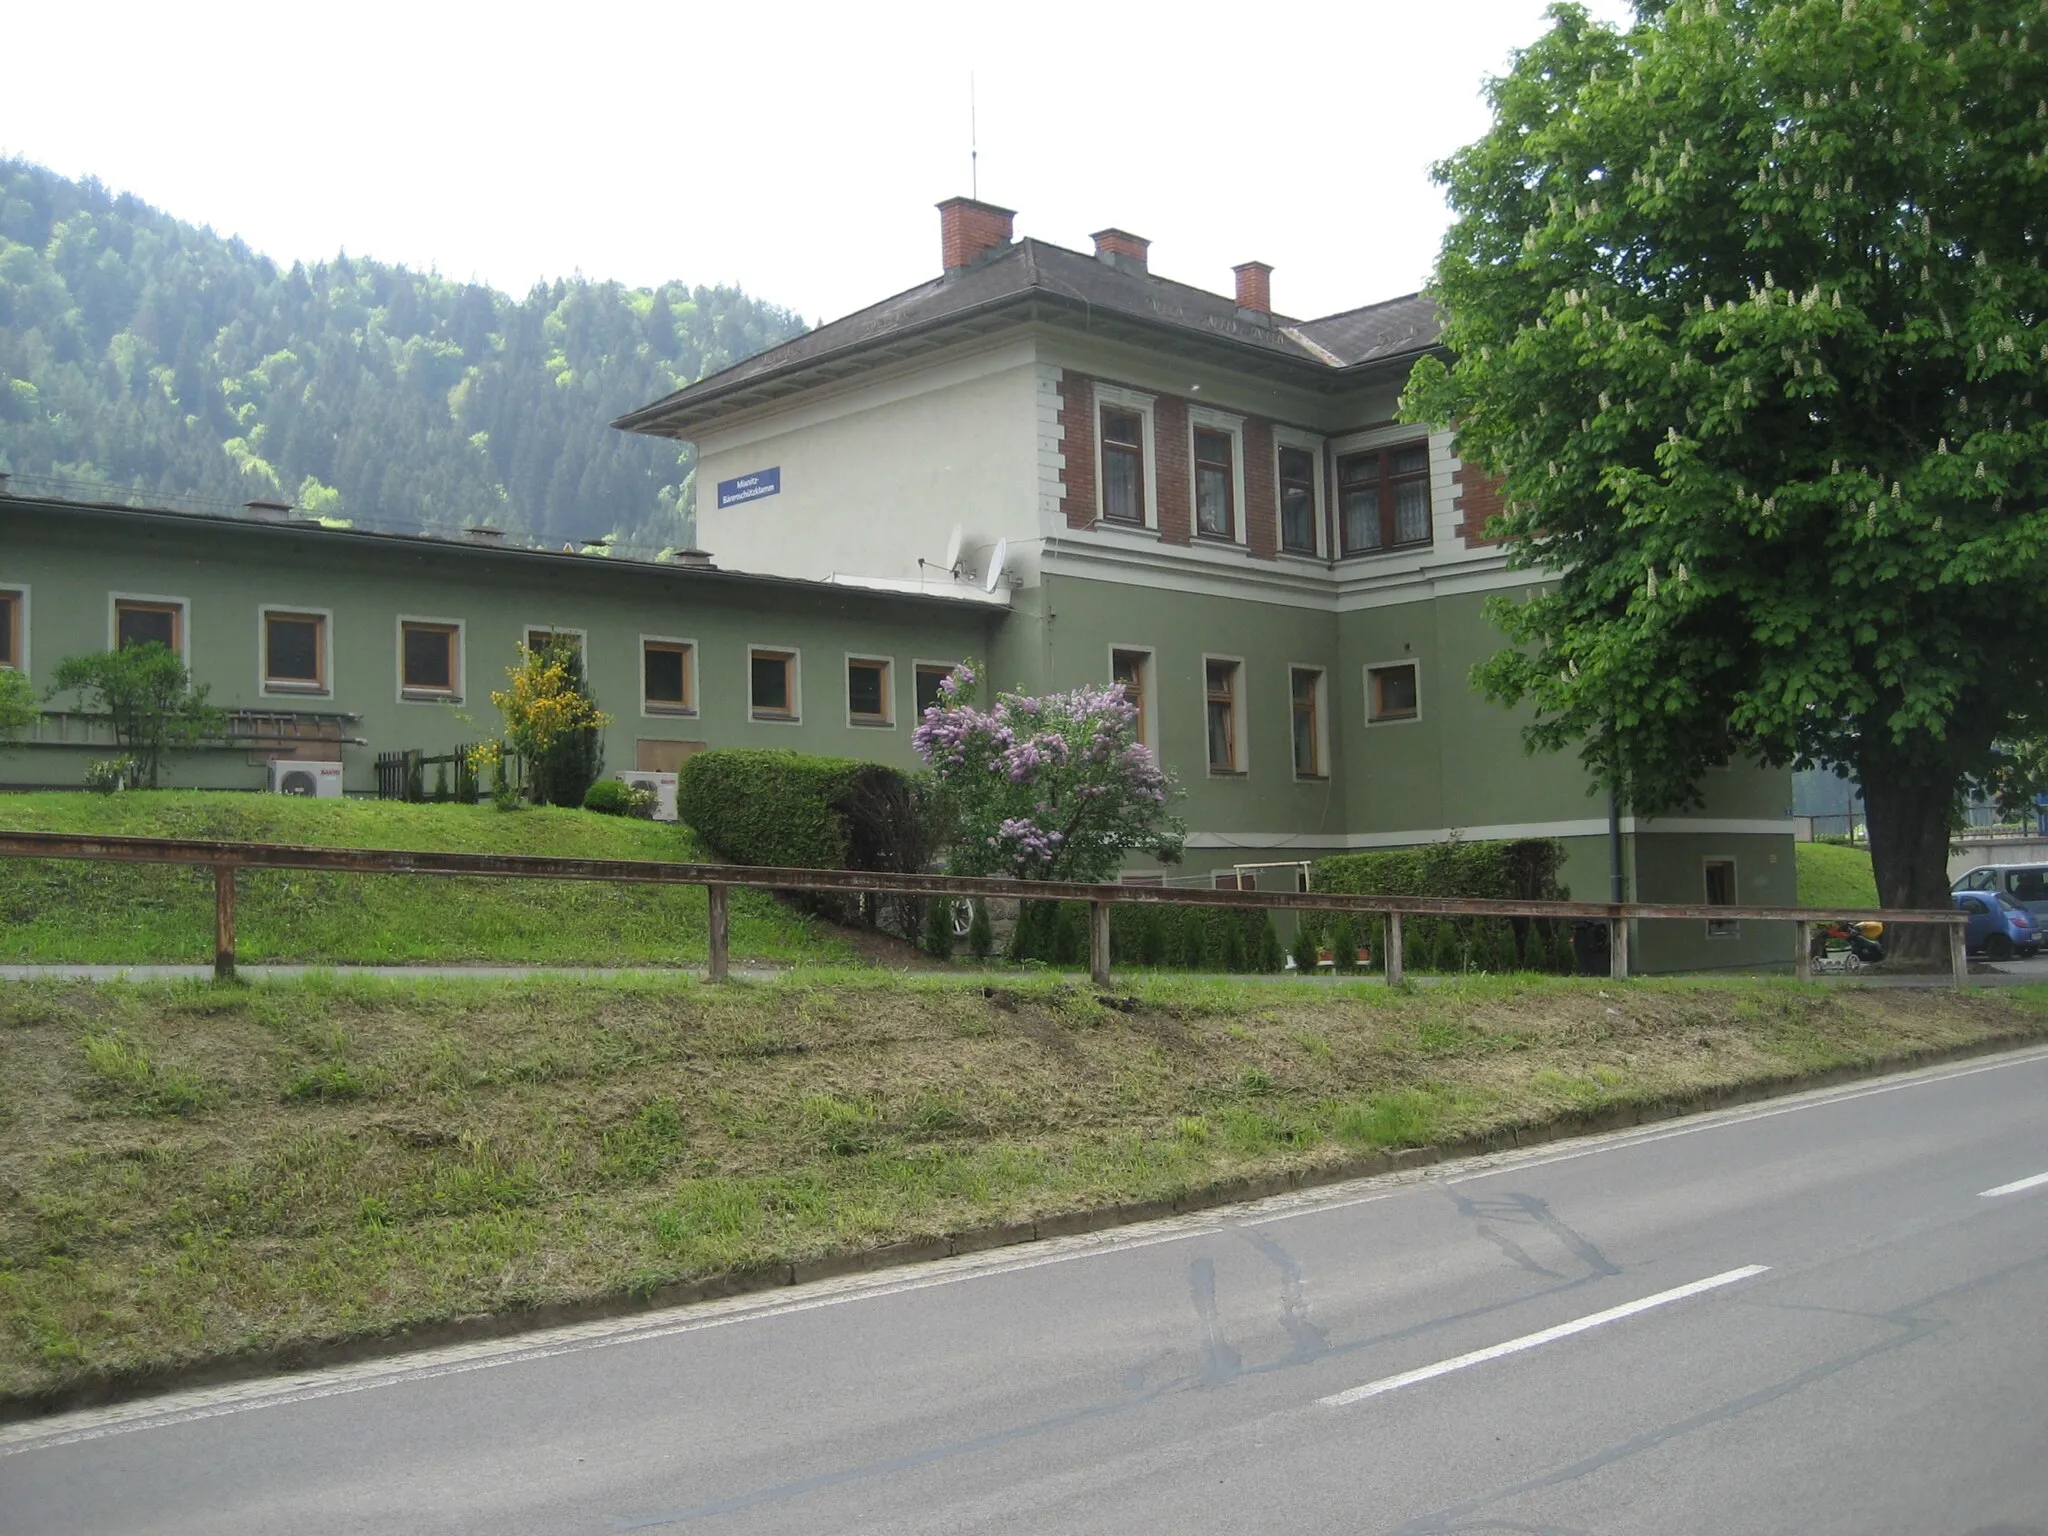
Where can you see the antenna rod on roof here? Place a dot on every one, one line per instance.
(973, 144)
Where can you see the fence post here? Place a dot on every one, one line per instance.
(716, 928)
(223, 922)
(1393, 943)
(1958, 954)
(1802, 959)
(1617, 948)
(1098, 943)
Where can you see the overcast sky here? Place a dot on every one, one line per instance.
(795, 150)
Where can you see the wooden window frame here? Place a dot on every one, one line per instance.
(791, 659)
(16, 627)
(179, 608)
(1235, 768)
(1721, 927)
(1104, 448)
(662, 709)
(270, 686)
(924, 666)
(1374, 715)
(409, 693)
(1228, 464)
(886, 720)
(1381, 456)
(1148, 688)
(1282, 447)
(1129, 402)
(1319, 767)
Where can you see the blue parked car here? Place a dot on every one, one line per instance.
(1999, 927)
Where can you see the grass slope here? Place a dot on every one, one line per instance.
(1831, 875)
(56, 910)
(189, 1171)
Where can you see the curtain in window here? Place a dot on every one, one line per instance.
(1121, 494)
(1361, 518)
(1411, 512)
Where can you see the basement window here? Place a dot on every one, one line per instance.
(294, 652)
(771, 684)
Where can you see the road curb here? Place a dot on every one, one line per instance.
(324, 1354)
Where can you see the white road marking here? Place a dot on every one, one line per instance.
(2014, 1187)
(456, 1359)
(1547, 1336)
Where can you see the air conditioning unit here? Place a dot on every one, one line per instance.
(322, 781)
(663, 785)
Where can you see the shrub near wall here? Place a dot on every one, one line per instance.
(799, 811)
(1525, 869)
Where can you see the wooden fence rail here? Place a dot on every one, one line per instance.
(226, 858)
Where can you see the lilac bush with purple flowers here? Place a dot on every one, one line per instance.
(1051, 788)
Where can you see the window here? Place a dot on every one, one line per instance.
(294, 652)
(1306, 685)
(1384, 498)
(1221, 682)
(429, 660)
(538, 640)
(1132, 669)
(1123, 466)
(667, 683)
(1215, 506)
(867, 691)
(139, 623)
(928, 677)
(1720, 881)
(771, 684)
(2028, 885)
(1297, 501)
(12, 605)
(1392, 692)
(1231, 880)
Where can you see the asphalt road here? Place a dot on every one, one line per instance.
(1820, 1315)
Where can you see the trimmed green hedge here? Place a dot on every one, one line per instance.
(1525, 869)
(761, 807)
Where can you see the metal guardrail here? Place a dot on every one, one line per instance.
(227, 858)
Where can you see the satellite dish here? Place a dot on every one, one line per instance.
(953, 546)
(996, 563)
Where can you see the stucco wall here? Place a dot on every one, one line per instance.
(876, 474)
(72, 563)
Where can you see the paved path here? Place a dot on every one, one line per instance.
(1821, 1315)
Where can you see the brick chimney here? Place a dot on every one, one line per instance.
(969, 230)
(1121, 248)
(1255, 289)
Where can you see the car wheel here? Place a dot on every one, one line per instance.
(1998, 947)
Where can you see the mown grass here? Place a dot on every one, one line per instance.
(190, 1171)
(85, 913)
(1831, 875)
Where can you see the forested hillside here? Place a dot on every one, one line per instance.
(142, 353)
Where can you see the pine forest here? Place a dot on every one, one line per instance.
(142, 357)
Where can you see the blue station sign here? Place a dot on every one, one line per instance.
(762, 482)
